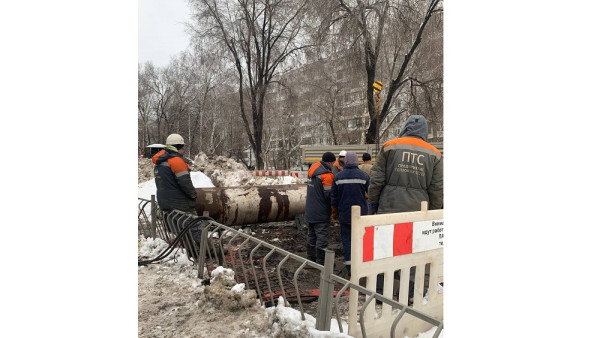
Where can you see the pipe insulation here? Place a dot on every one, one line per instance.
(254, 204)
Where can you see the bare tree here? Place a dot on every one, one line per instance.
(325, 101)
(259, 36)
(144, 111)
(163, 94)
(370, 21)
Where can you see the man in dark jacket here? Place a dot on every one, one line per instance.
(349, 188)
(318, 208)
(174, 187)
(408, 170)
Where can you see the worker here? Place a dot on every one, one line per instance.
(174, 187)
(349, 188)
(366, 167)
(317, 211)
(338, 165)
(367, 163)
(408, 170)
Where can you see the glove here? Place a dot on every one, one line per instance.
(373, 208)
(334, 215)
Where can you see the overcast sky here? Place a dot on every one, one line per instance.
(161, 30)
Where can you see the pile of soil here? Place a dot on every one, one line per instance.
(145, 170)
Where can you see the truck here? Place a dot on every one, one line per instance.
(312, 154)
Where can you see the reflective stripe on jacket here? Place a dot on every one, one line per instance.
(174, 187)
(318, 188)
(407, 171)
(349, 188)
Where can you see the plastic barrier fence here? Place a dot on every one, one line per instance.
(407, 248)
(277, 173)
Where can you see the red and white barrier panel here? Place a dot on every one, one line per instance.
(383, 241)
(275, 173)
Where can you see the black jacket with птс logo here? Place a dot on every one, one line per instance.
(407, 171)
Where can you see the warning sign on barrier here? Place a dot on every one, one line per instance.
(382, 241)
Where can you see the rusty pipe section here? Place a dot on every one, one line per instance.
(249, 205)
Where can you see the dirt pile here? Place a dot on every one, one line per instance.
(145, 170)
(173, 302)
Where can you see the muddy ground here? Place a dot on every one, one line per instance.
(288, 237)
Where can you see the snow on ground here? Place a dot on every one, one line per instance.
(173, 302)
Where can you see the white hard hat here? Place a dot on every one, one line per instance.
(342, 153)
(174, 139)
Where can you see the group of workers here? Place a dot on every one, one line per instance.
(407, 170)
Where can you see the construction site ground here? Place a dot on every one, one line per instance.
(157, 318)
(287, 236)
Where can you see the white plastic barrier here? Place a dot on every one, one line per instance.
(385, 244)
(276, 173)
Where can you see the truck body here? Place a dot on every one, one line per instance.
(312, 154)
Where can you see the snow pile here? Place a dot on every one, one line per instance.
(279, 180)
(221, 171)
(230, 178)
(207, 163)
(224, 293)
(151, 247)
(287, 322)
(236, 178)
(226, 172)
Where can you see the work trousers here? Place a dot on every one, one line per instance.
(346, 233)
(318, 233)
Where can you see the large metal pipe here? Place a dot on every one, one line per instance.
(255, 204)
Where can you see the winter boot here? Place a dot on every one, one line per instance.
(320, 256)
(348, 269)
(311, 254)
